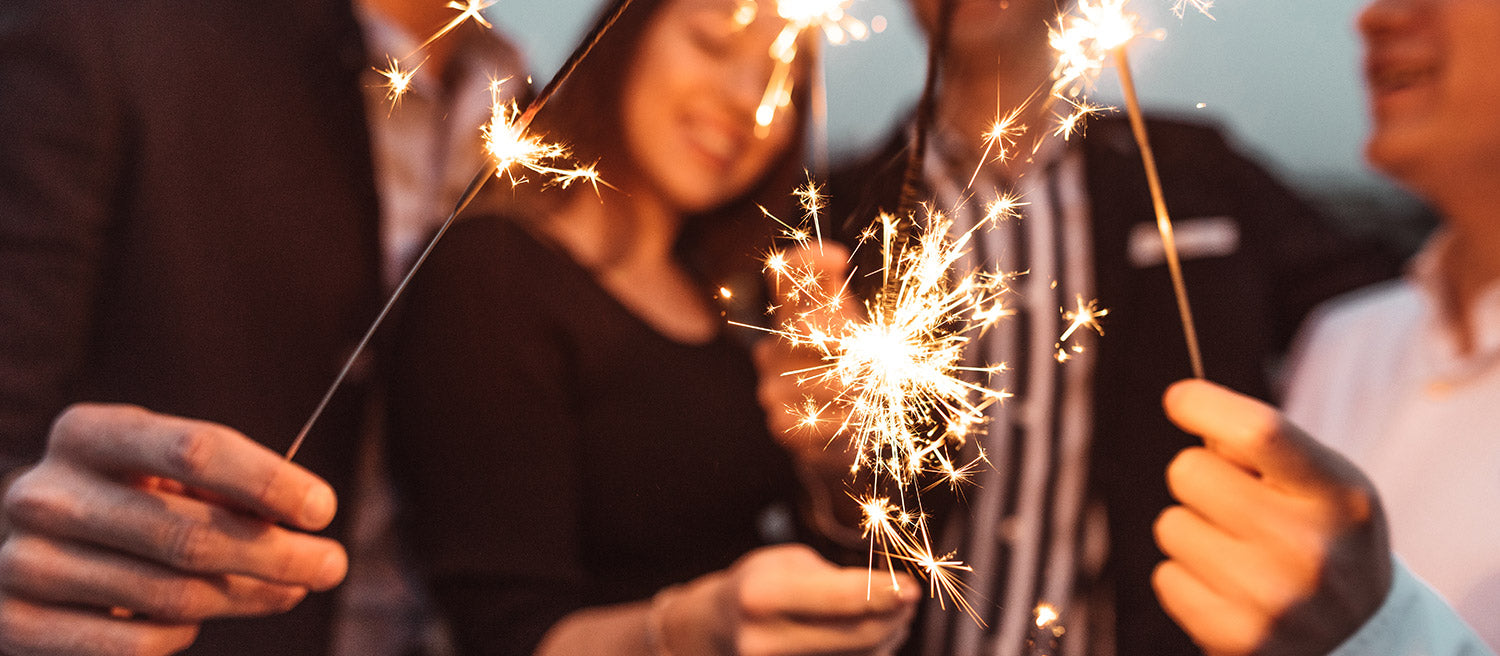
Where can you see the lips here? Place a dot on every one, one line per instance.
(714, 139)
(1398, 77)
(1392, 66)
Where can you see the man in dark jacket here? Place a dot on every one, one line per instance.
(188, 223)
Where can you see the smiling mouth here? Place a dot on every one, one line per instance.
(1390, 79)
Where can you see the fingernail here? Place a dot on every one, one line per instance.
(335, 566)
(318, 507)
(907, 593)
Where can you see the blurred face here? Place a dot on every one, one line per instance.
(1432, 68)
(991, 24)
(689, 103)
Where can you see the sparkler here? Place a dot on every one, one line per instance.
(519, 148)
(906, 400)
(801, 16)
(1100, 31)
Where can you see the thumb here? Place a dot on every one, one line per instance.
(1254, 437)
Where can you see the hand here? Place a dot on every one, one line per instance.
(786, 397)
(135, 527)
(1279, 546)
(786, 600)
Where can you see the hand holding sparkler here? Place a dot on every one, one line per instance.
(801, 411)
(136, 527)
(1279, 546)
(784, 599)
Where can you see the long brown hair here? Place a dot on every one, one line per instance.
(720, 245)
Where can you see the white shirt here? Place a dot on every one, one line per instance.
(1380, 378)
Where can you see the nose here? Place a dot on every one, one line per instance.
(1383, 17)
(746, 78)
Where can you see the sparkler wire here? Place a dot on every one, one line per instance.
(1159, 203)
(926, 109)
(470, 193)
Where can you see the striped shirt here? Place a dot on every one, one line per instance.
(1028, 530)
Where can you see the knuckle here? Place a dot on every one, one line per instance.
(189, 544)
(178, 601)
(1259, 430)
(23, 563)
(1182, 467)
(190, 452)
(33, 501)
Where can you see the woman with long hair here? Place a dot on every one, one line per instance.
(575, 431)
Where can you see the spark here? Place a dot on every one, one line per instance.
(1084, 40)
(1179, 7)
(398, 77)
(1000, 139)
(801, 16)
(1086, 315)
(1074, 121)
(468, 10)
(1004, 208)
(1045, 614)
(510, 145)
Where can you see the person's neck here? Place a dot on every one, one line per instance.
(616, 231)
(976, 92)
(1471, 264)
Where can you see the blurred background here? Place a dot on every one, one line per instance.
(1282, 75)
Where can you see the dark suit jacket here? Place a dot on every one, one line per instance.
(188, 222)
(1247, 305)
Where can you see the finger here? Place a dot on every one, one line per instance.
(1251, 435)
(1222, 493)
(1218, 560)
(171, 530)
(1217, 624)
(845, 592)
(30, 628)
(787, 637)
(126, 440)
(75, 574)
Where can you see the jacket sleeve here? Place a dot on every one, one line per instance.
(60, 155)
(1413, 621)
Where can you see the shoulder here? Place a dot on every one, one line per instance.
(1348, 355)
(1172, 139)
(1363, 312)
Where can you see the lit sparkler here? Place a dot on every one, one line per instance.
(511, 146)
(1100, 31)
(517, 151)
(905, 398)
(801, 16)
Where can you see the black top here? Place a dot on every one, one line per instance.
(556, 452)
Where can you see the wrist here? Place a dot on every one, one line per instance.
(688, 620)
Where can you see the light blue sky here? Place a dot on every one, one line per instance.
(1283, 75)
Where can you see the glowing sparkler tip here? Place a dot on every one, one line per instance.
(1045, 614)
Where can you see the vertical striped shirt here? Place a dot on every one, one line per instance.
(1028, 530)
